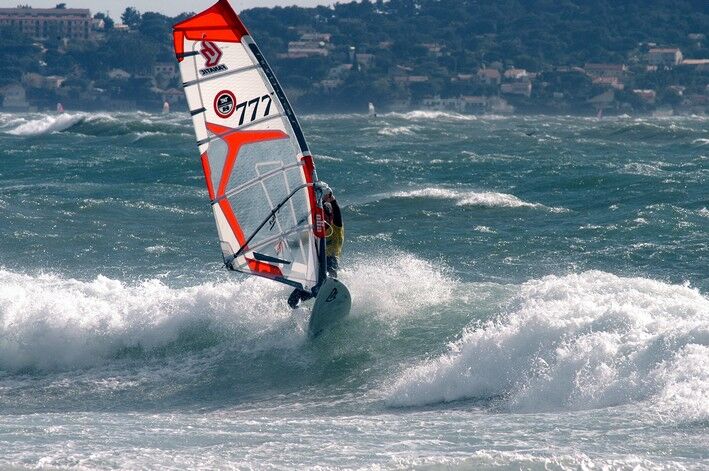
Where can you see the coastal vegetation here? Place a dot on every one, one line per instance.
(402, 53)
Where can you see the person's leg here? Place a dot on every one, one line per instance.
(297, 296)
(294, 298)
(332, 266)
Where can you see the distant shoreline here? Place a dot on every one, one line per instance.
(656, 114)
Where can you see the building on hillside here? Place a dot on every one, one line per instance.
(316, 37)
(564, 69)
(301, 49)
(34, 80)
(648, 96)
(516, 74)
(43, 23)
(517, 88)
(612, 82)
(309, 45)
(665, 56)
(474, 104)
(437, 103)
(701, 65)
(489, 76)
(463, 78)
(433, 48)
(408, 79)
(329, 85)
(14, 98)
(118, 74)
(166, 69)
(364, 60)
(605, 70)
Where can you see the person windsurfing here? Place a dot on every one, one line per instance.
(334, 241)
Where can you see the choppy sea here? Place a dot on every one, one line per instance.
(529, 293)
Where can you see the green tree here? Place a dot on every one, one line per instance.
(131, 17)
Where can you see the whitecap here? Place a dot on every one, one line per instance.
(47, 124)
(488, 199)
(579, 341)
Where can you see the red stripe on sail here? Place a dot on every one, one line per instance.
(264, 268)
(231, 219)
(208, 175)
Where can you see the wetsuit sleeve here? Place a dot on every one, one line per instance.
(336, 213)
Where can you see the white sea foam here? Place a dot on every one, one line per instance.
(327, 157)
(429, 115)
(157, 249)
(49, 322)
(484, 229)
(398, 130)
(495, 459)
(411, 284)
(47, 124)
(579, 341)
(91, 202)
(473, 198)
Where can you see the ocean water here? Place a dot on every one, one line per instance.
(528, 293)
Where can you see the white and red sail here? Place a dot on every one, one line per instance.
(257, 165)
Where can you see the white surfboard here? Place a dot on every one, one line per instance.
(332, 304)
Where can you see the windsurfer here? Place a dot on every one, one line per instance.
(333, 244)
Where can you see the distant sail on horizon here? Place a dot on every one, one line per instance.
(258, 168)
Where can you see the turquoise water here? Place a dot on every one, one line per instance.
(528, 293)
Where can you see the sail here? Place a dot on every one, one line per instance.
(258, 169)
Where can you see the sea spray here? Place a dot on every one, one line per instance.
(47, 124)
(52, 323)
(575, 342)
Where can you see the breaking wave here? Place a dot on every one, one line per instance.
(398, 130)
(99, 124)
(576, 342)
(428, 115)
(47, 124)
(472, 198)
(51, 323)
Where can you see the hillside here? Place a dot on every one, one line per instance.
(406, 53)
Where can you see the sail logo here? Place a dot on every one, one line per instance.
(333, 295)
(224, 104)
(211, 53)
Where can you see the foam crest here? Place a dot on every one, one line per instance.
(579, 341)
(52, 323)
(428, 115)
(487, 199)
(47, 124)
(398, 130)
(49, 323)
(396, 284)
